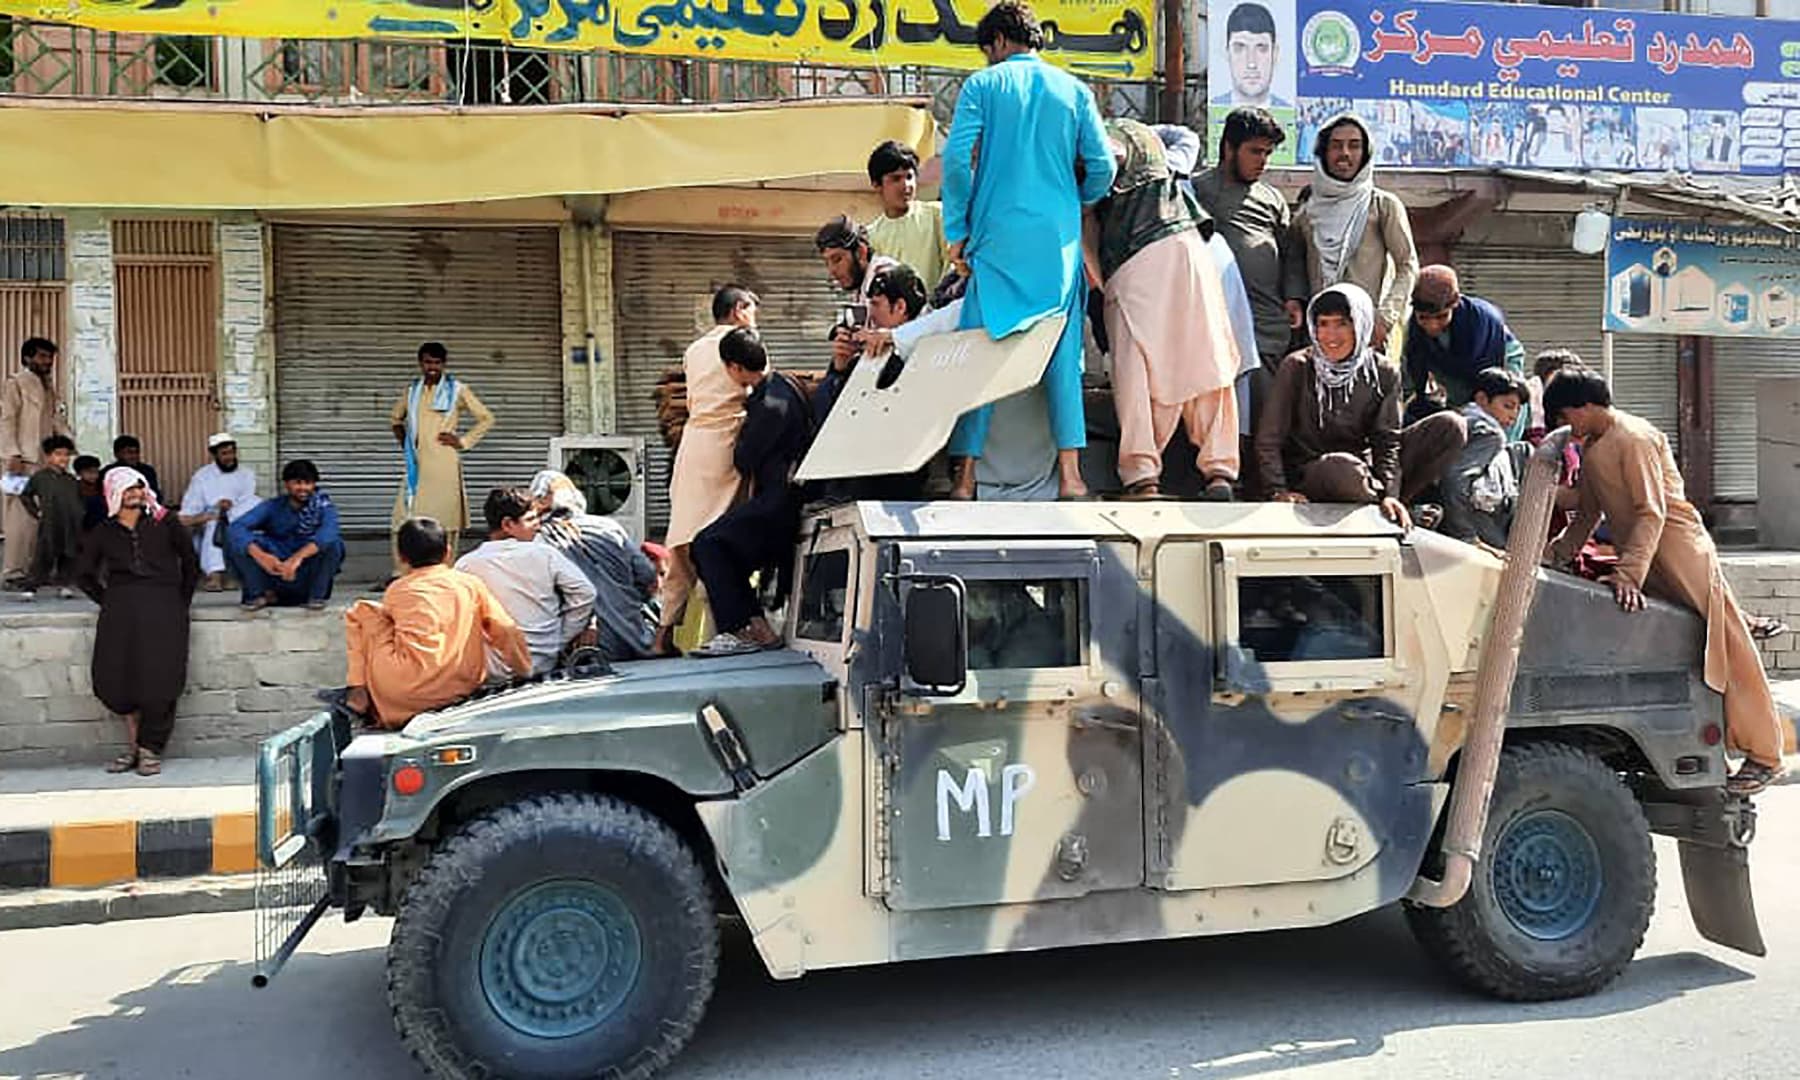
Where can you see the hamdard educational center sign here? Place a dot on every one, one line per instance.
(1524, 85)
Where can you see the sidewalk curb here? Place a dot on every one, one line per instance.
(92, 853)
(36, 909)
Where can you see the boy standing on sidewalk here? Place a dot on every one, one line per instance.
(53, 497)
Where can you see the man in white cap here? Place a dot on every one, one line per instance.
(218, 492)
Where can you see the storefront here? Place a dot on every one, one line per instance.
(671, 252)
(352, 304)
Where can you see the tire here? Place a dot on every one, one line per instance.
(560, 936)
(1563, 892)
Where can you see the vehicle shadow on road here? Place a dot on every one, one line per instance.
(325, 1017)
(1214, 1007)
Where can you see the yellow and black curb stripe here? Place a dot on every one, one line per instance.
(108, 852)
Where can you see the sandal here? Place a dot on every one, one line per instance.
(148, 764)
(1764, 627)
(1141, 491)
(728, 645)
(124, 763)
(1752, 777)
(1217, 490)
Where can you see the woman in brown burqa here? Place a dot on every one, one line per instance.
(139, 565)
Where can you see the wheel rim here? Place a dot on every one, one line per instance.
(560, 957)
(1547, 875)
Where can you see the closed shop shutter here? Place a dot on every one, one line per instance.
(1738, 363)
(353, 304)
(1552, 299)
(663, 288)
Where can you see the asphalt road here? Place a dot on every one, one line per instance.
(165, 999)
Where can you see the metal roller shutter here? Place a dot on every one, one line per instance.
(352, 305)
(663, 288)
(1738, 363)
(1552, 299)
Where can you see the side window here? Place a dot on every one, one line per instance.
(824, 596)
(1302, 618)
(1026, 624)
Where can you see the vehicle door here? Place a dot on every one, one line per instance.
(1024, 782)
(1291, 675)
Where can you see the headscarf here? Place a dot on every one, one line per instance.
(1339, 209)
(123, 478)
(443, 399)
(566, 500)
(311, 513)
(1337, 378)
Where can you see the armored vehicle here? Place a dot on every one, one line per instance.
(1005, 727)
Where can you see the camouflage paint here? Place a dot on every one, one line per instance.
(1159, 803)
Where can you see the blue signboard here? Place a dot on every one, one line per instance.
(1684, 277)
(1446, 85)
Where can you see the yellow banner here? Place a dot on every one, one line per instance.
(1109, 39)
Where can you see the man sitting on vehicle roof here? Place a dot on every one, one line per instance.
(1331, 430)
(424, 645)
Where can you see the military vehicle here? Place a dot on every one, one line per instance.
(1006, 727)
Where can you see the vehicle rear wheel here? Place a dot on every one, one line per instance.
(1563, 893)
(561, 936)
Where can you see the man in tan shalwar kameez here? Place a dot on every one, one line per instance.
(705, 482)
(1629, 475)
(425, 422)
(1174, 359)
(29, 414)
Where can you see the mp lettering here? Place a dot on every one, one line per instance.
(971, 796)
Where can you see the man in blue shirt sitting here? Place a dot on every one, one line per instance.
(287, 551)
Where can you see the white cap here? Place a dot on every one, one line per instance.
(220, 439)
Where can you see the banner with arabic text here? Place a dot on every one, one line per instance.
(1684, 277)
(1446, 85)
(1109, 39)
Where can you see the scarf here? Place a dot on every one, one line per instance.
(443, 399)
(1340, 209)
(310, 513)
(1336, 378)
(122, 479)
(565, 498)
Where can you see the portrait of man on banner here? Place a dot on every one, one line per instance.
(1252, 60)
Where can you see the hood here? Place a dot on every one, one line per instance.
(1325, 130)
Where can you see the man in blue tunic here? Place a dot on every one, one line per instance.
(1014, 219)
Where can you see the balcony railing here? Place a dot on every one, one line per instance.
(49, 59)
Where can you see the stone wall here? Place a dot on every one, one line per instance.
(248, 677)
(1769, 584)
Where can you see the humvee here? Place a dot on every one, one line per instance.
(1004, 727)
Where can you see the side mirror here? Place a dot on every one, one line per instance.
(937, 653)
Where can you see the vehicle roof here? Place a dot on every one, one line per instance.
(1112, 520)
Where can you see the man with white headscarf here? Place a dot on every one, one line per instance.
(139, 565)
(1351, 230)
(623, 577)
(1331, 429)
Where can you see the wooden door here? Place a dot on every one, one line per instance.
(168, 303)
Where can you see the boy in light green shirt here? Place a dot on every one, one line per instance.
(909, 229)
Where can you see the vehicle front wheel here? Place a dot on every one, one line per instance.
(560, 936)
(1564, 889)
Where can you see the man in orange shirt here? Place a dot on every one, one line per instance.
(425, 644)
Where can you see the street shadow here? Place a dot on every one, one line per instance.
(326, 1016)
(1228, 1007)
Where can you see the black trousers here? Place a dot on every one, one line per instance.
(752, 537)
(155, 724)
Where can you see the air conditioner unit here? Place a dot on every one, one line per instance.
(609, 470)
